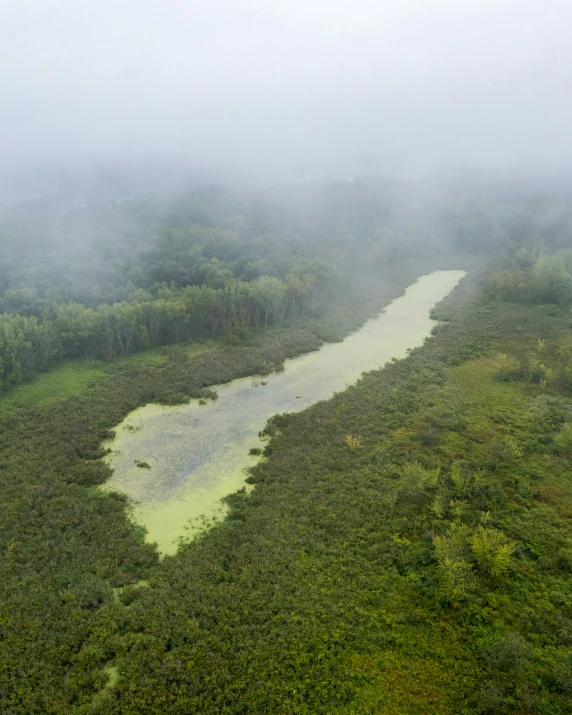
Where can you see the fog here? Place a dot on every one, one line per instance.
(295, 89)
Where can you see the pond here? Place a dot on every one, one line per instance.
(196, 454)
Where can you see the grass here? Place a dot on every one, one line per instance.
(74, 378)
(71, 378)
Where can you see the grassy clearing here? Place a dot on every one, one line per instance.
(71, 378)
(75, 378)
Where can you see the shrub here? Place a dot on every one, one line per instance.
(563, 440)
(493, 552)
(506, 366)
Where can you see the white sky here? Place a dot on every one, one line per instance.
(255, 83)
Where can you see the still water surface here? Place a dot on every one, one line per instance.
(198, 453)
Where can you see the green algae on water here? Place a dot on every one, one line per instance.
(198, 454)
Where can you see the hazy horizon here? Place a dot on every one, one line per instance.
(290, 90)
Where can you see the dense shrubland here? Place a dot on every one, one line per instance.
(541, 278)
(406, 548)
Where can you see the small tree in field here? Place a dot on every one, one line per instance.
(456, 574)
(353, 442)
(492, 551)
(506, 366)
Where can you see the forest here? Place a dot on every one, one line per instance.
(404, 547)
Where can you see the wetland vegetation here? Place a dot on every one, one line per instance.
(200, 455)
(403, 547)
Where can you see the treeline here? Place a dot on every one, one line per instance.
(104, 279)
(99, 253)
(97, 250)
(29, 344)
(534, 277)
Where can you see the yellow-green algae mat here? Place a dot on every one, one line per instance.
(197, 454)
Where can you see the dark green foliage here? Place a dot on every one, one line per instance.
(323, 581)
(406, 546)
(67, 546)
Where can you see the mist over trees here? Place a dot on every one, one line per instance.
(101, 278)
